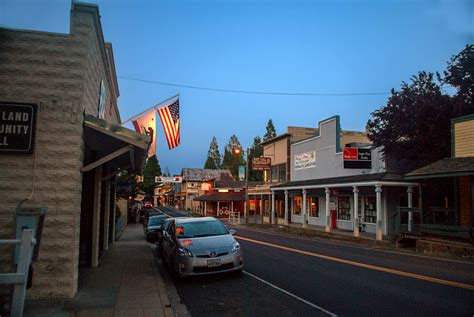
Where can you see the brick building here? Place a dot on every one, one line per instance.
(70, 81)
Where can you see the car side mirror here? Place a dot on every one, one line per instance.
(232, 231)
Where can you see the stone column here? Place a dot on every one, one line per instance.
(328, 212)
(286, 207)
(410, 206)
(304, 211)
(378, 194)
(272, 209)
(355, 220)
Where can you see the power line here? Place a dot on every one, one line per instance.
(253, 92)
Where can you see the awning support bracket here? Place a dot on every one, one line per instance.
(107, 158)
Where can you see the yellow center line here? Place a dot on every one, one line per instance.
(363, 265)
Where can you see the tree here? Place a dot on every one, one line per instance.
(459, 74)
(271, 132)
(213, 160)
(231, 160)
(255, 151)
(414, 125)
(151, 170)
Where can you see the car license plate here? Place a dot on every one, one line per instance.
(214, 263)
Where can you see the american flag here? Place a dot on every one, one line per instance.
(169, 116)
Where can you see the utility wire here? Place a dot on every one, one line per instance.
(255, 92)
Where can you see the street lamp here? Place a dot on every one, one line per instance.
(237, 151)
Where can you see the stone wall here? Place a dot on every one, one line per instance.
(61, 73)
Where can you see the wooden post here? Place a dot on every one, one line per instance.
(96, 217)
(106, 215)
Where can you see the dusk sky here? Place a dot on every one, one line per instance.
(320, 47)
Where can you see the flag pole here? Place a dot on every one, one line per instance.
(145, 111)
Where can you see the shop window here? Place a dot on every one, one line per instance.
(344, 208)
(274, 173)
(282, 172)
(313, 206)
(370, 209)
(297, 205)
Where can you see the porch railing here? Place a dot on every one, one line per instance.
(405, 223)
(440, 216)
(20, 278)
(234, 217)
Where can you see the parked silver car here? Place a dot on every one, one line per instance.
(200, 246)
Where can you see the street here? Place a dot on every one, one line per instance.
(288, 276)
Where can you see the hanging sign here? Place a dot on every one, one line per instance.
(17, 127)
(262, 163)
(169, 180)
(357, 158)
(305, 160)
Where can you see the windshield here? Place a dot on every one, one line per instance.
(155, 221)
(200, 229)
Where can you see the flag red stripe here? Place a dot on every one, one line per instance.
(165, 126)
(168, 125)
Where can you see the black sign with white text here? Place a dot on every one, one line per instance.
(17, 127)
(357, 158)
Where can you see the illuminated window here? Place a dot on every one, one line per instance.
(343, 208)
(297, 205)
(370, 209)
(313, 206)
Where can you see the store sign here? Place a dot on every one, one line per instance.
(357, 157)
(17, 127)
(305, 160)
(169, 180)
(262, 163)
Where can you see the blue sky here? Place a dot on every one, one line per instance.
(280, 46)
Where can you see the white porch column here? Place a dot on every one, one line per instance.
(96, 217)
(105, 244)
(286, 207)
(355, 218)
(205, 208)
(232, 206)
(262, 207)
(272, 218)
(328, 212)
(410, 205)
(378, 194)
(218, 207)
(305, 212)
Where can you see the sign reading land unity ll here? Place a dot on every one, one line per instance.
(17, 127)
(262, 163)
(305, 160)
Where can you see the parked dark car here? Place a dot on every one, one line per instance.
(164, 227)
(154, 227)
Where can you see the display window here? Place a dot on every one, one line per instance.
(370, 209)
(344, 208)
(313, 206)
(296, 204)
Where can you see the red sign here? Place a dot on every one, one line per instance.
(262, 163)
(351, 153)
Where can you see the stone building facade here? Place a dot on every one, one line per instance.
(70, 78)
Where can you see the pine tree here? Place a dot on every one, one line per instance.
(255, 151)
(231, 160)
(271, 132)
(151, 170)
(213, 160)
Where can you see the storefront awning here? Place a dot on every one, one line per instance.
(448, 167)
(221, 197)
(110, 143)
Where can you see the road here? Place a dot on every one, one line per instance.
(294, 276)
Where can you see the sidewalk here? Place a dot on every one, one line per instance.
(126, 283)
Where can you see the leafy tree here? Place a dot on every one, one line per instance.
(231, 160)
(271, 132)
(213, 160)
(414, 125)
(460, 75)
(255, 151)
(152, 169)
